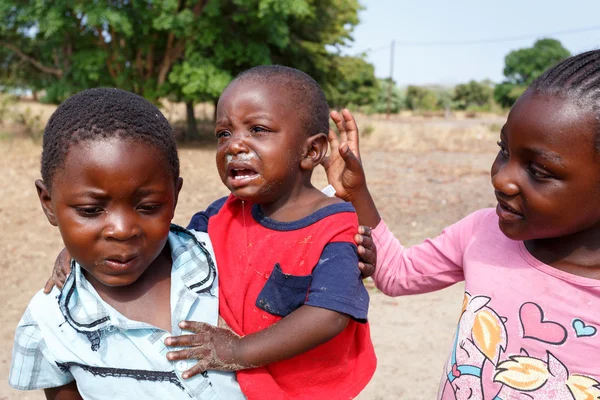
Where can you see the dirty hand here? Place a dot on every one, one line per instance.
(62, 269)
(367, 251)
(343, 165)
(214, 347)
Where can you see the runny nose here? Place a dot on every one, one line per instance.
(239, 157)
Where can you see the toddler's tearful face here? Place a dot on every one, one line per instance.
(260, 141)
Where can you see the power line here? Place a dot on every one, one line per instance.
(387, 46)
(482, 41)
(391, 82)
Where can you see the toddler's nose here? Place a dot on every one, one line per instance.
(237, 145)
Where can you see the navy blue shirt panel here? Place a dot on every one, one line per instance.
(199, 221)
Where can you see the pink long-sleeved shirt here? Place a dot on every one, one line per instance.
(526, 331)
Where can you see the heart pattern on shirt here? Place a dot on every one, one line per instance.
(536, 327)
(583, 330)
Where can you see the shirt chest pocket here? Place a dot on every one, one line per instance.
(283, 293)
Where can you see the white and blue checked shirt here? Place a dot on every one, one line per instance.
(82, 338)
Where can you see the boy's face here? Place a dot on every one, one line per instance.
(546, 175)
(260, 141)
(113, 201)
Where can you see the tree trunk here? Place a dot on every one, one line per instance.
(192, 127)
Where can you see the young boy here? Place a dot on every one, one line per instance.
(110, 184)
(284, 250)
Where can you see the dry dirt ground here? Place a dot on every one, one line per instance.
(423, 173)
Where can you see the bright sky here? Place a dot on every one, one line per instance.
(466, 20)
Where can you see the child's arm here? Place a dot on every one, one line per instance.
(430, 266)
(314, 309)
(66, 392)
(219, 348)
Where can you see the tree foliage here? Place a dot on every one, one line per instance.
(189, 50)
(185, 49)
(384, 102)
(523, 66)
(77, 44)
(421, 99)
(473, 95)
(354, 85)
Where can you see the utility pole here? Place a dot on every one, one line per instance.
(391, 82)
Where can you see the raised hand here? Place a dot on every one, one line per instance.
(344, 169)
(343, 164)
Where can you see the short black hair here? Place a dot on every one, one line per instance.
(576, 78)
(305, 93)
(102, 113)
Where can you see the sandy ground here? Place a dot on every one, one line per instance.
(424, 175)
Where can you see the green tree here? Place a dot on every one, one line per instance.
(156, 48)
(305, 34)
(77, 44)
(355, 85)
(523, 66)
(396, 102)
(473, 94)
(421, 99)
(196, 80)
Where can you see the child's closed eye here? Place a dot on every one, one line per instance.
(149, 208)
(89, 211)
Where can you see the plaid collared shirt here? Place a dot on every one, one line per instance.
(80, 337)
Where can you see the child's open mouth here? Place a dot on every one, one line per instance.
(242, 173)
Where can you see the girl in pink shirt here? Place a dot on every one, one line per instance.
(529, 323)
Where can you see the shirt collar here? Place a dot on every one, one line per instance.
(86, 312)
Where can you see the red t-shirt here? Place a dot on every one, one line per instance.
(269, 268)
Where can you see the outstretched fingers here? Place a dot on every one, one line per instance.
(334, 145)
(351, 131)
(340, 124)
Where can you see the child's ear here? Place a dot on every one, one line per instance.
(316, 149)
(45, 201)
(178, 186)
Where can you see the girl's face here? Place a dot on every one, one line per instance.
(546, 175)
